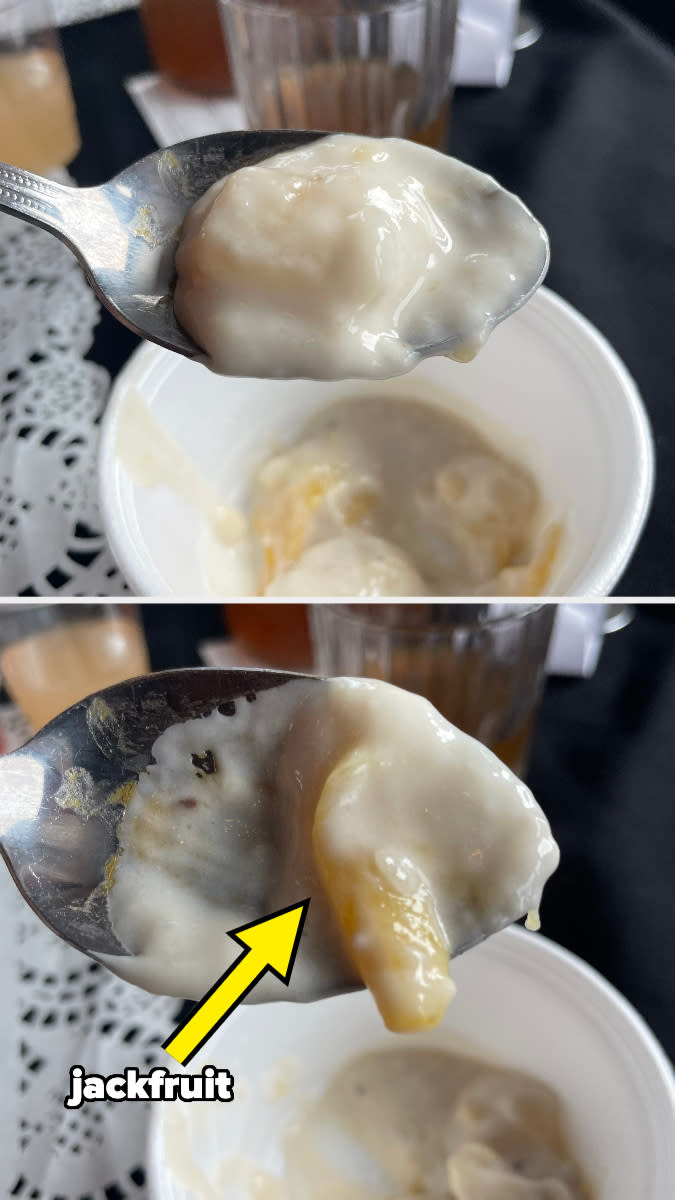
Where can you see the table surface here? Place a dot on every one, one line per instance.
(581, 133)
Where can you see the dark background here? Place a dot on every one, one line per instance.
(584, 132)
(658, 16)
(603, 769)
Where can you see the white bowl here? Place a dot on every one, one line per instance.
(522, 999)
(547, 387)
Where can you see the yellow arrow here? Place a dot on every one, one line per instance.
(270, 944)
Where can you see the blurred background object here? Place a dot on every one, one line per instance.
(349, 65)
(276, 634)
(187, 44)
(38, 124)
(654, 14)
(488, 34)
(528, 31)
(577, 638)
(481, 665)
(326, 64)
(52, 655)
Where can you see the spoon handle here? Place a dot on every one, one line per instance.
(37, 200)
(89, 221)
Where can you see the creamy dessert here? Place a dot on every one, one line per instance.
(352, 257)
(412, 839)
(426, 1122)
(380, 494)
(389, 495)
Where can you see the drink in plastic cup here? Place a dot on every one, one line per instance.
(353, 66)
(38, 124)
(53, 655)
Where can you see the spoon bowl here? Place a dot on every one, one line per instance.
(63, 797)
(125, 233)
(62, 794)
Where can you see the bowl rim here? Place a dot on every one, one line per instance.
(599, 579)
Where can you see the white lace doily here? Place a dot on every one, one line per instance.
(57, 1008)
(51, 400)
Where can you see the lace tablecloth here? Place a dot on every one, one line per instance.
(58, 1008)
(51, 401)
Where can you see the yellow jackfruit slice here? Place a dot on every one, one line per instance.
(393, 936)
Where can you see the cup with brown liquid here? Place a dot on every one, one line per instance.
(481, 665)
(374, 67)
(187, 44)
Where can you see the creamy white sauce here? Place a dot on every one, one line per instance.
(426, 1122)
(352, 257)
(387, 495)
(411, 838)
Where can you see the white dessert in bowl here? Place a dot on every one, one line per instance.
(523, 1004)
(430, 1122)
(386, 492)
(545, 390)
(386, 495)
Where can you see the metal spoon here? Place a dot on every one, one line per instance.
(62, 795)
(125, 233)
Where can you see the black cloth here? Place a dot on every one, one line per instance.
(603, 769)
(583, 132)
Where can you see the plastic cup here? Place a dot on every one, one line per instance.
(521, 1000)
